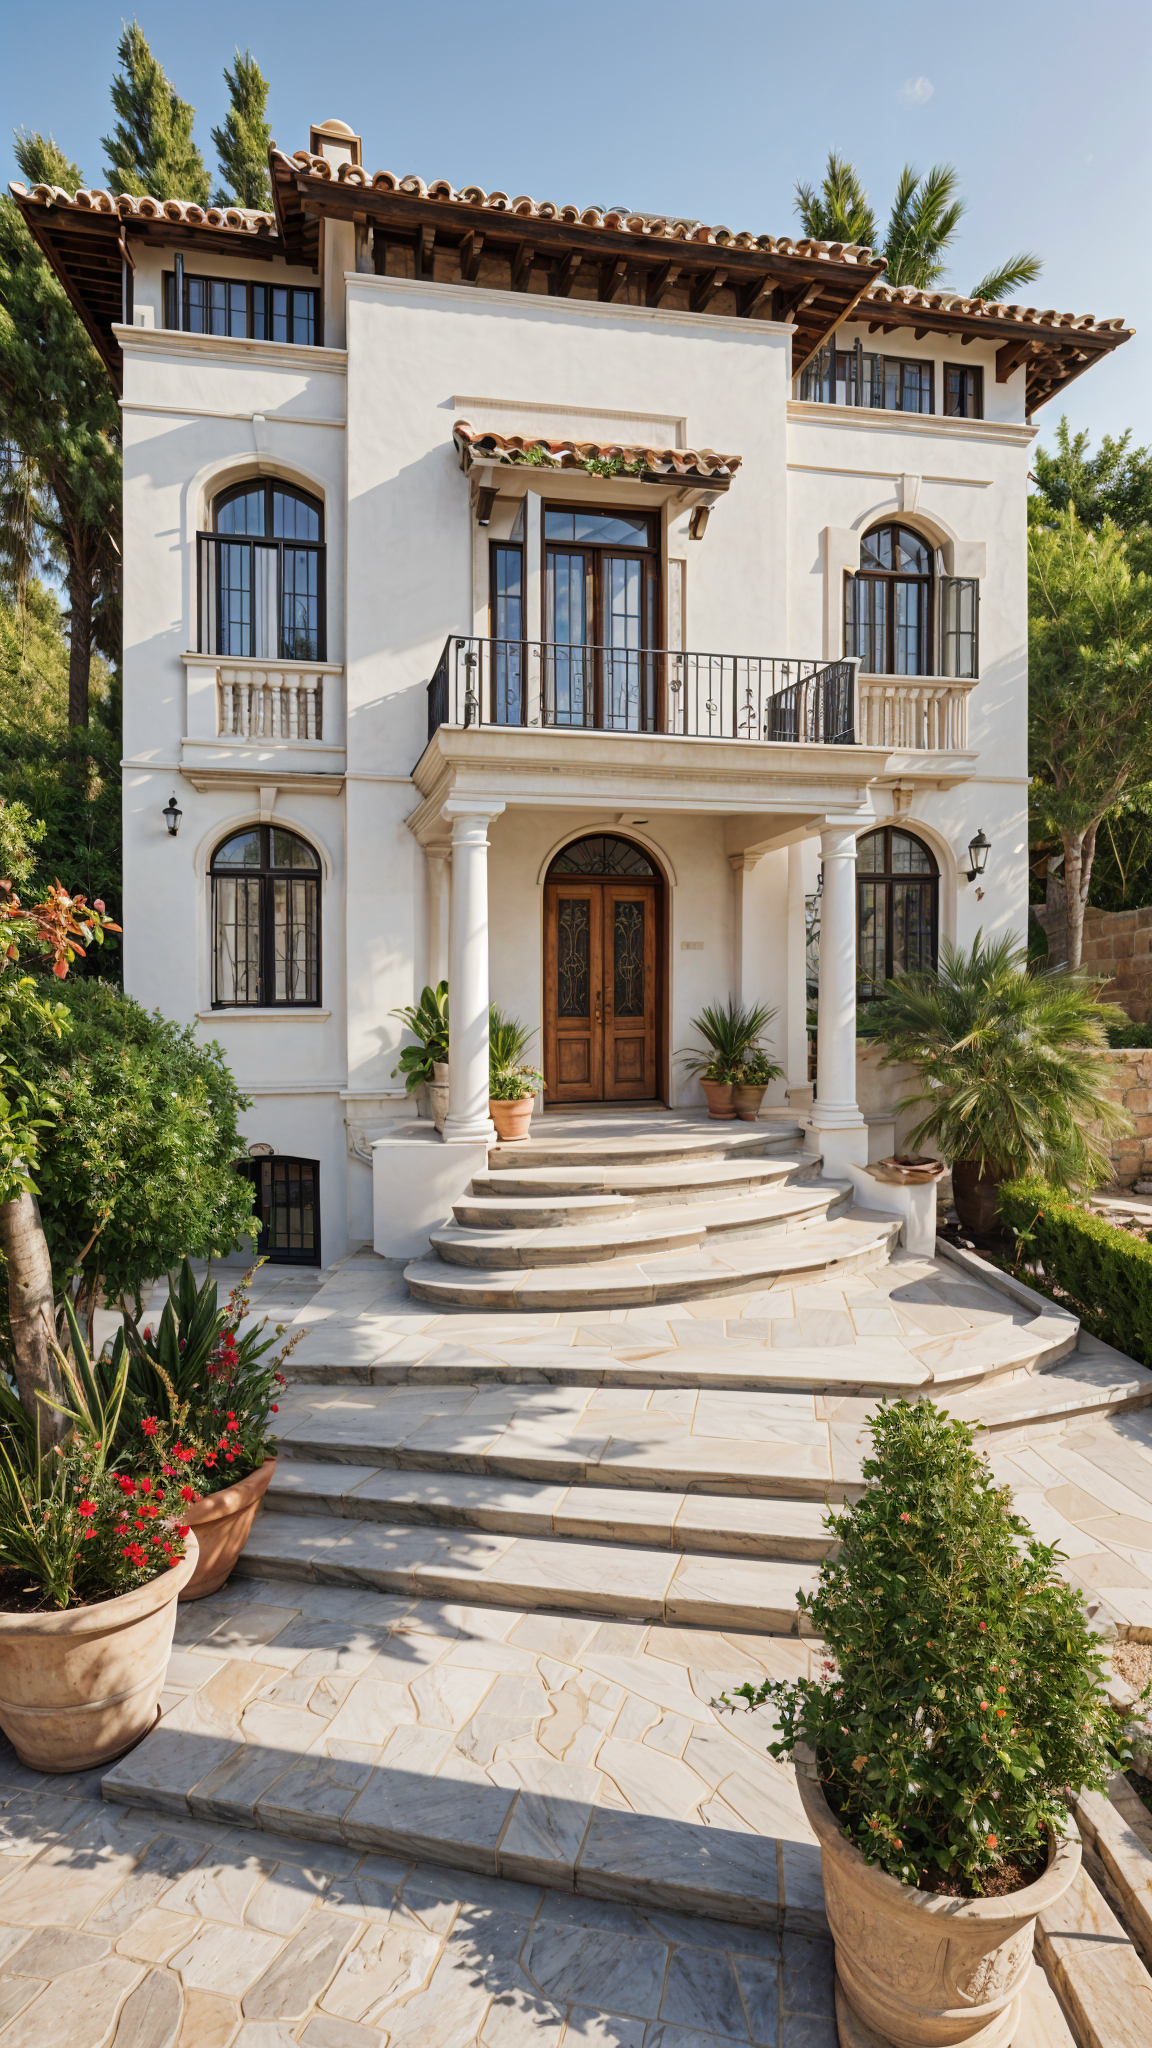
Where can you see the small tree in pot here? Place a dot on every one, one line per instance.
(1009, 1062)
(731, 1037)
(512, 1082)
(961, 1694)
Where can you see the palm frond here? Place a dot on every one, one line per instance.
(1009, 277)
(841, 210)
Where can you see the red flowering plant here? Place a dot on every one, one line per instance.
(202, 1388)
(962, 1689)
(74, 1529)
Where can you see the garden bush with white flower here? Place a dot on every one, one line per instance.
(962, 1691)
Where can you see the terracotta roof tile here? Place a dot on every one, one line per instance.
(182, 212)
(699, 465)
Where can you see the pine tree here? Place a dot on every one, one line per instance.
(61, 425)
(151, 148)
(242, 142)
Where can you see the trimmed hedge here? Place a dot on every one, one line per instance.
(1104, 1275)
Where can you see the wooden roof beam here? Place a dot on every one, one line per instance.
(471, 249)
(563, 273)
(659, 283)
(705, 288)
(1011, 356)
(612, 275)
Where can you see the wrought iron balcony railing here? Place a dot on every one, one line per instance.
(614, 689)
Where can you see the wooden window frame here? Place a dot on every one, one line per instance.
(251, 287)
(893, 576)
(595, 551)
(974, 372)
(881, 363)
(507, 547)
(886, 878)
(267, 875)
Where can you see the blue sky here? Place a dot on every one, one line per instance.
(711, 110)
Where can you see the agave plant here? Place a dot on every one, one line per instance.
(1009, 1063)
(508, 1041)
(427, 1020)
(731, 1034)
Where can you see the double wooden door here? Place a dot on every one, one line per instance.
(601, 968)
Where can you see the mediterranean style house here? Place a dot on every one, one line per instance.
(592, 608)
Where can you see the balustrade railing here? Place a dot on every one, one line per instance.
(273, 704)
(913, 713)
(613, 689)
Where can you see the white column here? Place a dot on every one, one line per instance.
(468, 1118)
(796, 1021)
(439, 872)
(841, 1131)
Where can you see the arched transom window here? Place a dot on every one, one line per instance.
(897, 907)
(262, 574)
(265, 919)
(888, 604)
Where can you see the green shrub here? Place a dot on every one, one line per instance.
(962, 1689)
(1104, 1274)
(1130, 1037)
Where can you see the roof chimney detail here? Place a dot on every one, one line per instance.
(336, 141)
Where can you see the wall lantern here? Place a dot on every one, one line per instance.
(978, 851)
(172, 815)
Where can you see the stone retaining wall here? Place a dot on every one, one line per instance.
(1117, 944)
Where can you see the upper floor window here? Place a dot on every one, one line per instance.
(852, 377)
(265, 919)
(262, 575)
(903, 616)
(963, 391)
(251, 312)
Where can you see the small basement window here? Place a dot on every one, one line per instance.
(287, 1208)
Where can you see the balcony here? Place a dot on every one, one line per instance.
(508, 683)
(270, 721)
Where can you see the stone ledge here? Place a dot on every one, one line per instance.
(1102, 1983)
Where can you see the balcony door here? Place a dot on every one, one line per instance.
(601, 586)
(602, 982)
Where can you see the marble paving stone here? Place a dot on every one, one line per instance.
(651, 1783)
(78, 2008)
(314, 1795)
(236, 1786)
(323, 2031)
(152, 2014)
(51, 1951)
(620, 1972)
(701, 1991)
(156, 1935)
(389, 1963)
(302, 1970)
(221, 1885)
(223, 1959)
(447, 1815)
(282, 1902)
(660, 1863)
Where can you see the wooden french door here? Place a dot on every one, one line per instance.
(600, 990)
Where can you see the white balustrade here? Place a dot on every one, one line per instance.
(270, 704)
(913, 713)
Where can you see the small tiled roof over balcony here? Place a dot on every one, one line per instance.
(663, 465)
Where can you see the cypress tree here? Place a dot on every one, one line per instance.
(242, 142)
(151, 148)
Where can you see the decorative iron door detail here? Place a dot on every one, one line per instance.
(628, 959)
(573, 927)
(601, 973)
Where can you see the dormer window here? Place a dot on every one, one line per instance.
(248, 312)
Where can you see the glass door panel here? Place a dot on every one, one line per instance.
(567, 612)
(622, 679)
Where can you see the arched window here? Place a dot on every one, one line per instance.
(602, 855)
(265, 919)
(888, 604)
(897, 907)
(262, 574)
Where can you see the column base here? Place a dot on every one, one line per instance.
(469, 1130)
(841, 1145)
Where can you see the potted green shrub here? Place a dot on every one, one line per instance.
(204, 1389)
(731, 1036)
(95, 1549)
(960, 1695)
(425, 1064)
(512, 1082)
(1009, 1060)
(755, 1074)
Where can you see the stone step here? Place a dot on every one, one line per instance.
(538, 1212)
(855, 1241)
(781, 1529)
(598, 1578)
(657, 1183)
(1095, 1380)
(653, 1138)
(649, 1230)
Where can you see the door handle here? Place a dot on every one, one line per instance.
(597, 1019)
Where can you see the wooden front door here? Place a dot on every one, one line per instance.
(600, 990)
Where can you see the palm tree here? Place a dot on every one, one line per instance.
(926, 213)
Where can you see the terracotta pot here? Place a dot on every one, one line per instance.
(976, 1197)
(719, 1096)
(512, 1119)
(438, 1093)
(913, 1968)
(747, 1100)
(78, 1688)
(223, 1523)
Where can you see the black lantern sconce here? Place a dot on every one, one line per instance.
(978, 851)
(172, 815)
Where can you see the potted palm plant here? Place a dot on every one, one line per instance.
(1008, 1058)
(961, 1692)
(731, 1036)
(425, 1064)
(512, 1082)
(756, 1071)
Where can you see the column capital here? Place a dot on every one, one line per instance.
(478, 809)
(838, 837)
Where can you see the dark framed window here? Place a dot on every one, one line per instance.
(287, 1206)
(897, 908)
(603, 855)
(888, 604)
(265, 920)
(601, 606)
(855, 376)
(249, 312)
(963, 391)
(506, 626)
(262, 575)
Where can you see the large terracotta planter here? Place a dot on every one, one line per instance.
(78, 1688)
(223, 1523)
(746, 1101)
(719, 1096)
(913, 1968)
(976, 1196)
(512, 1119)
